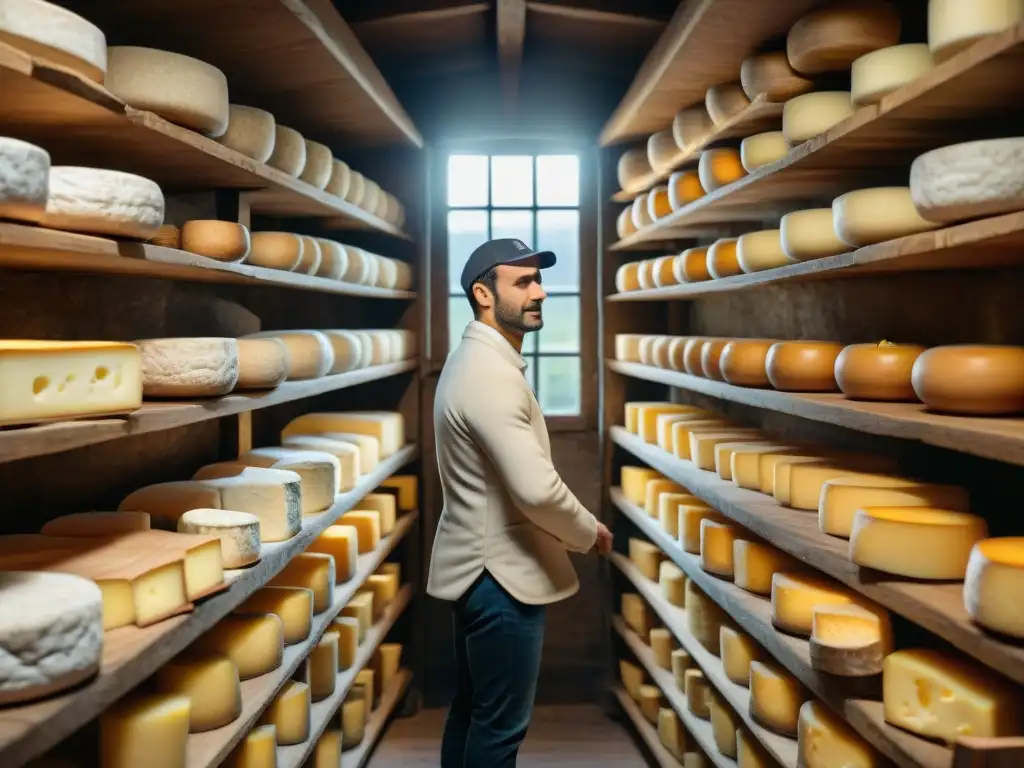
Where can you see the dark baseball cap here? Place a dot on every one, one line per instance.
(506, 250)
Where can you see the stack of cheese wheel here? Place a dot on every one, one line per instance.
(291, 252)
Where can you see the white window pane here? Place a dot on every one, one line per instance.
(559, 231)
(466, 231)
(558, 180)
(561, 332)
(511, 181)
(559, 385)
(530, 342)
(512, 224)
(459, 315)
(467, 181)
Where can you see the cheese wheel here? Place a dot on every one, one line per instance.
(813, 114)
(718, 167)
(868, 216)
(824, 740)
(743, 362)
(24, 178)
(692, 355)
(387, 275)
(645, 274)
(310, 261)
(238, 532)
(404, 279)
(289, 155)
(360, 265)
(877, 74)
(646, 350)
(348, 350)
(341, 179)
(658, 206)
(994, 584)
(310, 353)
(333, 259)
(195, 367)
(664, 271)
(769, 75)
(775, 697)
(810, 234)
(627, 277)
(803, 366)
(103, 202)
(219, 240)
(251, 131)
(624, 226)
(711, 357)
(641, 212)
(661, 151)
(319, 165)
(683, 188)
(725, 101)
(968, 181)
(831, 38)
(371, 195)
(954, 25)
(762, 149)
(182, 90)
(976, 380)
(627, 347)
(722, 260)
(757, 251)
(47, 31)
(262, 363)
(356, 189)
(633, 166)
(276, 250)
(692, 266)
(877, 371)
(691, 126)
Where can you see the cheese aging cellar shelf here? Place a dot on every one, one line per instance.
(662, 757)
(389, 701)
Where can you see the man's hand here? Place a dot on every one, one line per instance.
(603, 545)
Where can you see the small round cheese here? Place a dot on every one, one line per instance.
(214, 239)
(994, 585)
(24, 178)
(103, 202)
(348, 350)
(692, 350)
(371, 194)
(289, 155)
(356, 188)
(769, 75)
(968, 181)
(645, 274)
(877, 74)
(310, 353)
(743, 362)
(182, 90)
(722, 260)
(954, 25)
(664, 271)
(262, 363)
(632, 167)
(641, 212)
(868, 216)
(810, 234)
(658, 206)
(47, 31)
(358, 265)
(813, 114)
(319, 165)
(239, 533)
(193, 367)
(661, 150)
(250, 131)
(388, 274)
(762, 149)
(645, 350)
(757, 251)
(627, 277)
(310, 262)
(877, 371)
(275, 250)
(725, 101)
(831, 38)
(333, 259)
(167, 236)
(692, 266)
(341, 178)
(51, 633)
(624, 226)
(976, 380)
(627, 347)
(404, 280)
(660, 352)
(718, 167)
(711, 358)
(691, 126)
(683, 188)
(803, 366)
(371, 269)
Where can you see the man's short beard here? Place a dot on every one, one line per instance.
(515, 320)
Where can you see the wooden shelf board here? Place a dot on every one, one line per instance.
(295, 58)
(649, 734)
(80, 123)
(24, 442)
(983, 244)
(876, 142)
(324, 711)
(855, 699)
(703, 45)
(391, 697)
(1001, 439)
(938, 607)
(132, 654)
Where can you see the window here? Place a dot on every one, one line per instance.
(534, 198)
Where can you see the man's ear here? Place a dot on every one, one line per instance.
(482, 294)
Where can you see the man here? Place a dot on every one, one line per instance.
(508, 519)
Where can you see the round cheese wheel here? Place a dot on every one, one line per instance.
(311, 256)
(683, 188)
(390, 212)
(167, 236)
(658, 206)
(868, 216)
(348, 350)
(403, 281)
(664, 271)
(877, 371)
(627, 277)
(641, 213)
(995, 570)
(372, 273)
(624, 226)
(47, 31)
(310, 353)
(103, 202)
(195, 367)
(645, 275)
(691, 126)
(692, 350)
(387, 277)
(289, 155)
(646, 350)
(718, 167)
(757, 251)
(877, 74)
(660, 352)
(251, 131)
(662, 150)
(356, 188)
(371, 195)
(627, 347)
(813, 114)
(692, 265)
(722, 260)
(633, 166)
(831, 38)
(954, 25)
(711, 358)
(319, 165)
(400, 215)
(968, 181)
(769, 75)
(24, 179)
(182, 90)
(382, 205)
(810, 234)
(276, 250)
(220, 240)
(333, 259)
(262, 363)
(341, 178)
(971, 379)
(743, 362)
(238, 532)
(762, 149)
(725, 101)
(675, 352)
(803, 366)
(366, 349)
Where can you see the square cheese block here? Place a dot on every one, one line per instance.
(46, 380)
(367, 679)
(387, 661)
(342, 543)
(148, 729)
(289, 712)
(204, 560)
(360, 608)
(654, 490)
(368, 445)
(367, 524)
(273, 495)
(407, 487)
(313, 571)
(254, 643)
(293, 605)
(634, 483)
(698, 693)
(646, 557)
(210, 681)
(632, 678)
(384, 504)
(347, 628)
(347, 455)
(385, 589)
(671, 732)
(319, 472)
(637, 614)
(387, 427)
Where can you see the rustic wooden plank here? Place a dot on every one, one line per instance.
(511, 17)
(649, 735)
(389, 701)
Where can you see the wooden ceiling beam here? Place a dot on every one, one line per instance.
(511, 37)
(573, 13)
(397, 21)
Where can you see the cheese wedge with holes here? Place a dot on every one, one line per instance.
(319, 473)
(312, 571)
(387, 427)
(293, 605)
(253, 643)
(210, 681)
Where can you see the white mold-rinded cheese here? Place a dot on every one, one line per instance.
(48, 31)
(812, 114)
(341, 178)
(319, 472)
(272, 495)
(215, 239)
(348, 350)
(310, 354)
(868, 216)
(182, 90)
(262, 363)
(761, 250)
(276, 250)
(310, 261)
(319, 165)
(810, 234)
(347, 455)
(725, 101)
(103, 202)
(968, 181)
(239, 533)
(289, 155)
(251, 131)
(51, 633)
(877, 74)
(356, 188)
(954, 25)
(762, 149)
(188, 367)
(24, 178)
(333, 259)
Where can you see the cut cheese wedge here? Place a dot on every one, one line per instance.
(634, 483)
(796, 595)
(293, 605)
(738, 651)
(716, 546)
(653, 492)
(646, 557)
(755, 563)
(841, 497)
(312, 571)
(342, 543)
(994, 585)
(148, 729)
(697, 691)
(824, 740)
(210, 681)
(850, 640)
(775, 697)
(668, 510)
(637, 614)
